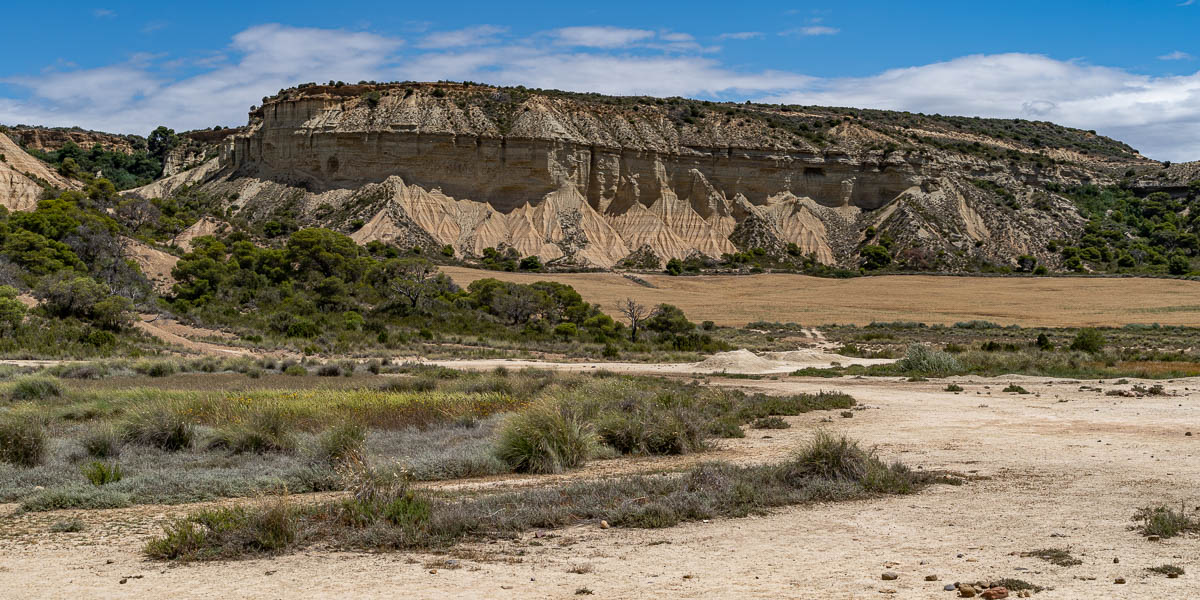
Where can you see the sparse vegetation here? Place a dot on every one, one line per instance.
(1057, 556)
(1166, 522)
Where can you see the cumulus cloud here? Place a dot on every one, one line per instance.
(740, 35)
(469, 36)
(812, 30)
(599, 36)
(1176, 55)
(1157, 114)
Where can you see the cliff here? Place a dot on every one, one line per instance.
(588, 180)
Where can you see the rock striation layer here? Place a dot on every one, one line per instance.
(588, 180)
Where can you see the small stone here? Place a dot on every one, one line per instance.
(109, 561)
(995, 593)
(433, 571)
(1188, 434)
(890, 576)
(269, 573)
(1172, 575)
(604, 525)
(123, 580)
(931, 578)
(1120, 581)
(1116, 560)
(966, 591)
(950, 587)
(1153, 538)
(506, 587)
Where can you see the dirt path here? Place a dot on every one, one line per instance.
(1061, 467)
(173, 332)
(742, 362)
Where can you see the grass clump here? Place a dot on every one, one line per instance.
(295, 371)
(954, 387)
(269, 429)
(156, 368)
(22, 441)
(924, 360)
(1165, 522)
(770, 423)
(1056, 556)
(100, 473)
(341, 443)
(1013, 388)
(548, 437)
(102, 441)
(159, 425)
(34, 389)
(1169, 570)
(67, 526)
(229, 531)
(1018, 585)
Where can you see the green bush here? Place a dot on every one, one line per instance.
(1165, 522)
(102, 474)
(22, 441)
(655, 430)
(295, 371)
(954, 387)
(548, 437)
(924, 360)
(159, 425)
(33, 389)
(155, 368)
(1088, 340)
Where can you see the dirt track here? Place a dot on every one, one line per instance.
(1052, 474)
(1030, 301)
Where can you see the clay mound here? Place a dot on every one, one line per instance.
(737, 361)
(19, 189)
(203, 227)
(155, 264)
(166, 186)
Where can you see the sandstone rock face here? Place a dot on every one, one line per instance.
(587, 181)
(53, 138)
(19, 174)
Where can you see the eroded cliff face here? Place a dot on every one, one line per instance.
(20, 173)
(576, 180)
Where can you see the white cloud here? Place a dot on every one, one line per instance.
(1176, 55)
(740, 35)
(812, 30)
(1159, 115)
(1186, 3)
(469, 36)
(103, 13)
(599, 36)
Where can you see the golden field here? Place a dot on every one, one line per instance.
(1028, 301)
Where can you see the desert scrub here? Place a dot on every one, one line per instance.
(548, 437)
(1165, 522)
(921, 359)
(1013, 388)
(393, 517)
(267, 429)
(770, 423)
(1056, 556)
(342, 442)
(22, 441)
(100, 473)
(954, 387)
(1169, 570)
(102, 441)
(162, 425)
(33, 389)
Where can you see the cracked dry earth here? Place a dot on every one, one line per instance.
(1058, 468)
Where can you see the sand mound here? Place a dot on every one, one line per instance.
(737, 361)
(155, 264)
(203, 227)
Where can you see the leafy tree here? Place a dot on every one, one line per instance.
(674, 267)
(1088, 340)
(875, 257)
(12, 311)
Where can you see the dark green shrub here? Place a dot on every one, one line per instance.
(102, 474)
(1088, 340)
(770, 423)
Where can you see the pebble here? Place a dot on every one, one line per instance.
(433, 571)
(1116, 560)
(931, 578)
(1153, 538)
(604, 525)
(1188, 434)
(1119, 581)
(890, 576)
(966, 591)
(949, 587)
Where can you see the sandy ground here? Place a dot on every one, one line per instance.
(1030, 301)
(1062, 467)
(735, 362)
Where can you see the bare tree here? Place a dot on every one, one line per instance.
(410, 278)
(634, 313)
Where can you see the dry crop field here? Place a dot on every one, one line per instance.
(735, 300)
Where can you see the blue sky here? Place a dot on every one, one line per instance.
(1126, 69)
